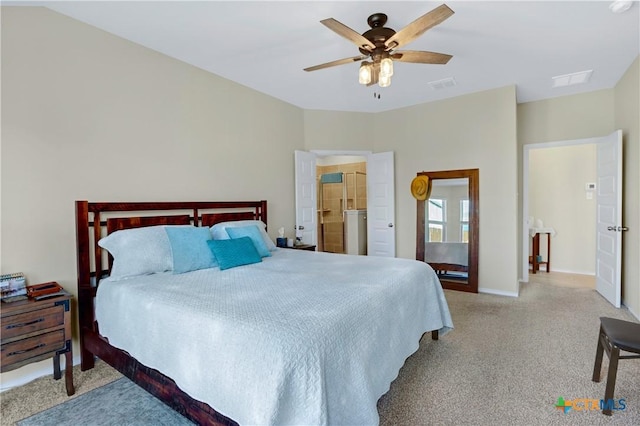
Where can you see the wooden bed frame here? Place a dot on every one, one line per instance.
(443, 267)
(95, 221)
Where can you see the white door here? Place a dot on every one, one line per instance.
(609, 218)
(306, 204)
(381, 234)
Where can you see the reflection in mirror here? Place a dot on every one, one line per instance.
(447, 222)
(447, 228)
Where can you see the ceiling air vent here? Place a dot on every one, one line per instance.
(571, 79)
(442, 84)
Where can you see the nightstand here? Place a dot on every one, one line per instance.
(33, 330)
(308, 247)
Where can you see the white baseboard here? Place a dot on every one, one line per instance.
(635, 314)
(566, 271)
(36, 374)
(497, 292)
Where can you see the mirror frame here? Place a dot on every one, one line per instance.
(474, 220)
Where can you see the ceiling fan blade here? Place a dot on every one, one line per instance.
(421, 57)
(419, 26)
(335, 63)
(348, 33)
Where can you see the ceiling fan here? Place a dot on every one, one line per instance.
(379, 45)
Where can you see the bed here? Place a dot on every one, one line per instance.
(445, 256)
(284, 340)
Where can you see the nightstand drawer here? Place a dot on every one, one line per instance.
(33, 346)
(29, 322)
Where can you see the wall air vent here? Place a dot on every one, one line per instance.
(571, 79)
(442, 84)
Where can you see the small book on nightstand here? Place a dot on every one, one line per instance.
(45, 290)
(13, 287)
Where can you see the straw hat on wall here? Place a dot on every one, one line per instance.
(421, 187)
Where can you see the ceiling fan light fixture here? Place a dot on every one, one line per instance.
(384, 80)
(364, 75)
(619, 6)
(386, 67)
(379, 43)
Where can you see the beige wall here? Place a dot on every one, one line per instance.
(627, 113)
(557, 197)
(473, 131)
(338, 131)
(590, 115)
(564, 118)
(87, 115)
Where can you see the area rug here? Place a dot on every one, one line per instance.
(121, 402)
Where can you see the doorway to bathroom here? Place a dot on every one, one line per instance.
(380, 199)
(342, 204)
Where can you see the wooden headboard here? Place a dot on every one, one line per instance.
(97, 220)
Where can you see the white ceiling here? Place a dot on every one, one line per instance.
(265, 45)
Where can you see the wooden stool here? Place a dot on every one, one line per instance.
(615, 335)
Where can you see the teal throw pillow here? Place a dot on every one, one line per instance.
(252, 232)
(189, 248)
(234, 252)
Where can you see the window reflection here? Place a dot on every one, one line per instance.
(436, 218)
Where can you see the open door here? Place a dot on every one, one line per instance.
(381, 234)
(306, 197)
(609, 218)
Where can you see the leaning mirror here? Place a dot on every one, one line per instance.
(447, 228)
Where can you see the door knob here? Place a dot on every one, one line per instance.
(390, 225)
(618, 229)
(300, 227)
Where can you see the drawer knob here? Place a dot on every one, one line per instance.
(24, 324)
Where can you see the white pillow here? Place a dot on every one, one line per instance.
(139, 251)
(219, 230)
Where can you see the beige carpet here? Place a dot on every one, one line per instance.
(40, 394)
(506, 363)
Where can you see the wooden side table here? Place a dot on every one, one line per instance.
(308, 247)
(535, 252)
(33, 330)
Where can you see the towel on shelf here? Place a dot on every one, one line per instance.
(331, 178)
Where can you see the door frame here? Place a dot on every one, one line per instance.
(525, 192)
(368, 157)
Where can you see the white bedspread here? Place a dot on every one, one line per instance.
(452, 253)
(301, 338)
